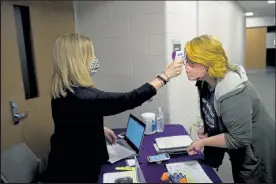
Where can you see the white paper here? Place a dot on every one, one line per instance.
(111, 177)
(191, 169)
(117, 152)
(130, 162)
(173, 142)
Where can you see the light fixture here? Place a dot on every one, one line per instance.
(249, 14)
(271, 2)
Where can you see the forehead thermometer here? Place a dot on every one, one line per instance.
(178, 55)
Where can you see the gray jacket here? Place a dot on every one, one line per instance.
(250, 136)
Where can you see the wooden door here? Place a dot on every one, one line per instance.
(256, 48)
(48, 20)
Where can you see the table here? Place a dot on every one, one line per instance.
(153, 172)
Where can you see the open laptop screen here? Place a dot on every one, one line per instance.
(135, 131)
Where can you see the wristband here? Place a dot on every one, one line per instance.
(167, 76)
(162, 79)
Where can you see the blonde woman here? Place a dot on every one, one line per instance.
(78, 147)
(235, 119)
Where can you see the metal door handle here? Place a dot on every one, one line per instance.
(16, 116)
(20, 116)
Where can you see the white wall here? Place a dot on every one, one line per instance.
(129, 41)
(270, 40)
(260, 21)
(181, 25)
(226, 21)
(133, 41)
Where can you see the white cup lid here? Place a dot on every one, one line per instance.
(148, 115)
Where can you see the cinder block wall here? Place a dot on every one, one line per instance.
(133, 41)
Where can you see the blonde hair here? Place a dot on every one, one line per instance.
(208, 51)
(73, 56)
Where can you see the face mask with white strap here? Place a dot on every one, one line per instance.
(94, 66)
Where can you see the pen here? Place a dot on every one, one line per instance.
(198, 152)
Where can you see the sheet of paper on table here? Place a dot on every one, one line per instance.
(130, 162)
(117, 152)
(191, 169)
(111, 177)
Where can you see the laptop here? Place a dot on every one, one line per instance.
(131, 143)
(137, 176)
(138, 171)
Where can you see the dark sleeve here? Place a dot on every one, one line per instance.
(111, 103)
(236, 113)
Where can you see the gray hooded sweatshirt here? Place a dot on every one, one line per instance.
(250, 129)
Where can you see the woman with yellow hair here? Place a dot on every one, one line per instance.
(234, 116)
(78, 146)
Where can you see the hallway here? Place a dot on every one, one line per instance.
(264, 81)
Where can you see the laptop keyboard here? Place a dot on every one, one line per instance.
(120, 143)
(123, 143)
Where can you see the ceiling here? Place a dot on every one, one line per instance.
(259, 8)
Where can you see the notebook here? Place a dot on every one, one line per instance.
(169, 151)
(173, 142)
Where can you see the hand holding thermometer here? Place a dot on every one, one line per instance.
(178, 55)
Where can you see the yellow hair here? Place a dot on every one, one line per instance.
(73, 56)
(208, 51)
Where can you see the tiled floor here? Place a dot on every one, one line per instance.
(264, 81)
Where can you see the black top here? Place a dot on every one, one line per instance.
(208, 109)
(212, 123)
(78, 147)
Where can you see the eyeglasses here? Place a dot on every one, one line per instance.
(188, 61)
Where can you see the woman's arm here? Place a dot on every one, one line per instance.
(239, 127)
(158, 83)
(108, 103)
(111, 103)
(236, 115)
(215, 141)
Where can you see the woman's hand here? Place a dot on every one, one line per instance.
(195, 147)
(174, 69)
(200, 133)
(110, 135)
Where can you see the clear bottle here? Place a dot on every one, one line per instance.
(160, 120)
